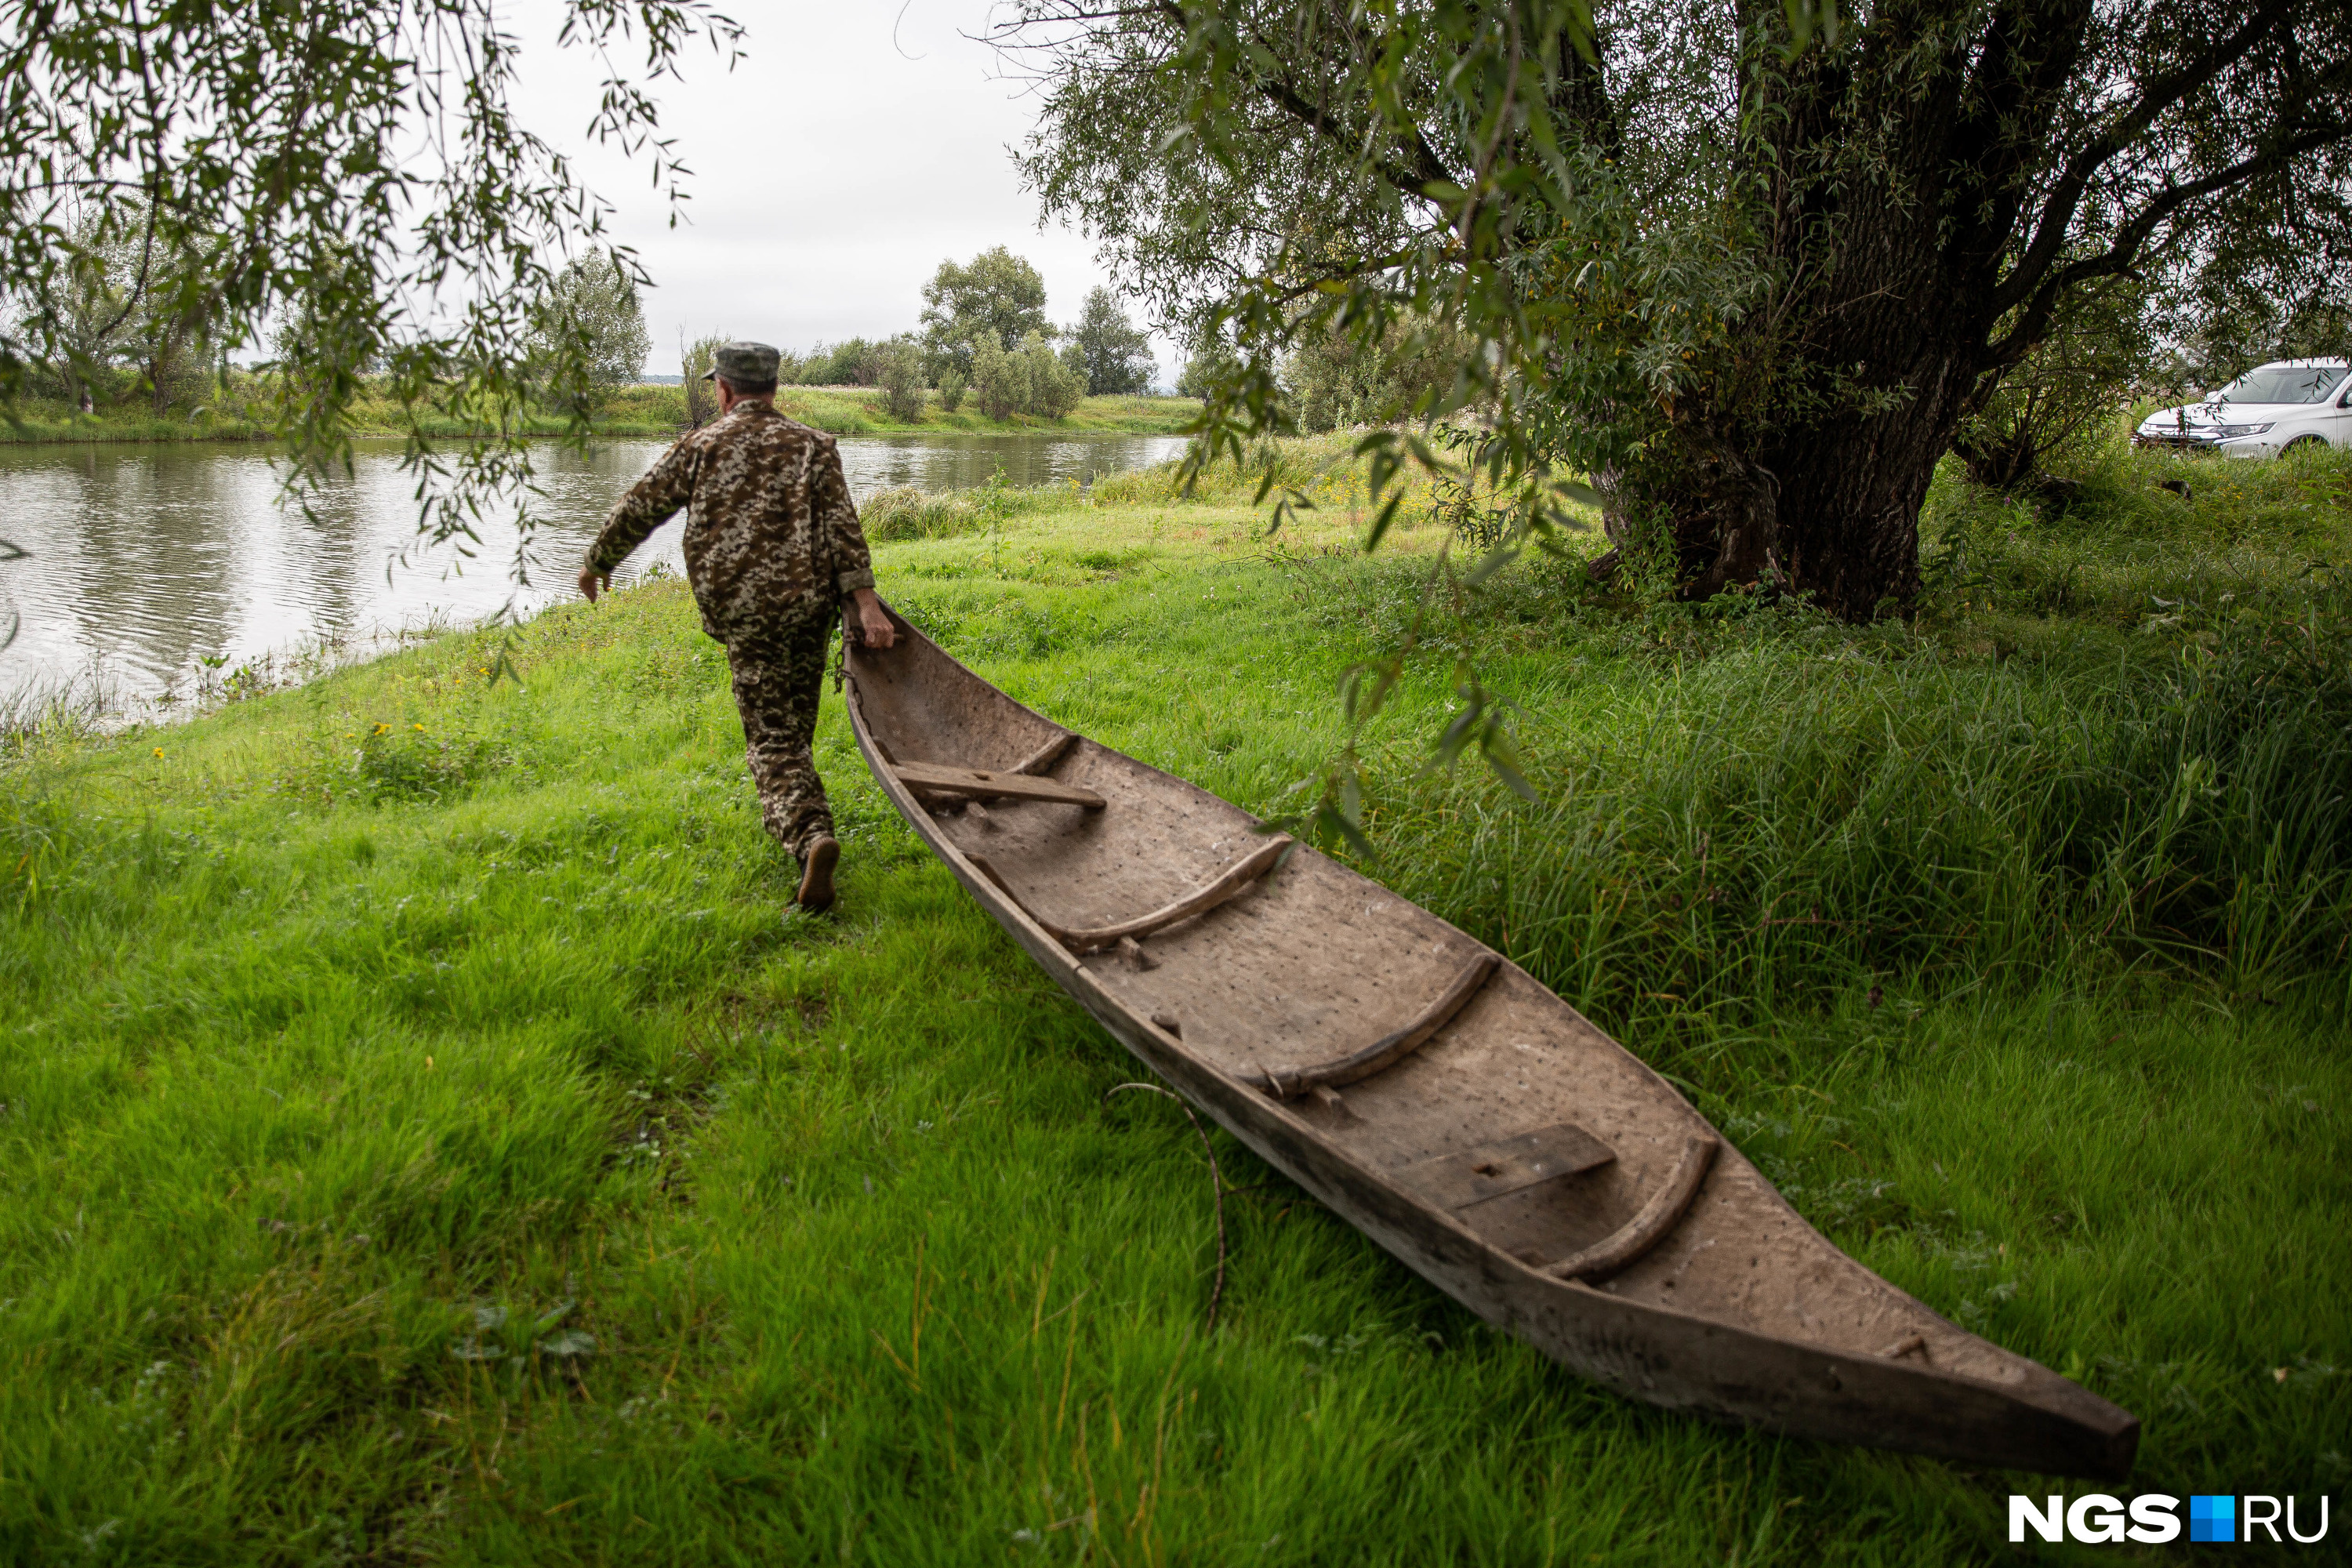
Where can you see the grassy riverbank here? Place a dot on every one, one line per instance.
(429, 1139)
(630, 410)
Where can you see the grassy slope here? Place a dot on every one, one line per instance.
(632, 411)
(337, 1062)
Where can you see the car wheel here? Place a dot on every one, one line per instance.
(2301, 442)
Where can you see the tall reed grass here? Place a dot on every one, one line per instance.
(1753, 833)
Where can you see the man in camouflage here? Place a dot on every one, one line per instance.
(771, 546)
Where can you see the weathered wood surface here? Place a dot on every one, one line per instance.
(1390, 1049)
(1230, 883)
(976, 784)
(1692, 1284)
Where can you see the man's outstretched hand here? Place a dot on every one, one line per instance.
(874, 628)
(592, 581)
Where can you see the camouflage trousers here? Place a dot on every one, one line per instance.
(778, 673)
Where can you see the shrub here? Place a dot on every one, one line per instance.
(181, 375)
(899, 370)
(1032, 379)
(1336, 382)
(951, 385)
(1055, 385)
(2063, 399)
(1001, 380)
(850, 363)
(701, 396)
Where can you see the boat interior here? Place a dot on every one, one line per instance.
(1430, 1062)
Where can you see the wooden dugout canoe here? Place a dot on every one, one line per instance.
(1436, 1096)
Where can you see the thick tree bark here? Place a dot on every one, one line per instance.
(1829, 507)
(1851, 488)
(1816, 485)
(1850, 505)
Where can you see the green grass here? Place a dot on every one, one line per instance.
(429, 1139)
(628, 411)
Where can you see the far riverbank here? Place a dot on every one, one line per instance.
(649, 412)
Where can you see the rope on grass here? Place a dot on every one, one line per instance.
(1216, 1186)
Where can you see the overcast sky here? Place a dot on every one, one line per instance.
(854, 147)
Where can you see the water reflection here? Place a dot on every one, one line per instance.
(958, 462)
(145, 559)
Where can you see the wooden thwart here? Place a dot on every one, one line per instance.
(1391, 1048)
(1043, 759)
(1652, 1226)
(1498, 1170)
(1229, 884)
(938, 779)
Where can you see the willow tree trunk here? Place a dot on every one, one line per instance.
(1815, 485)
(1828, 510)
(1850, 489)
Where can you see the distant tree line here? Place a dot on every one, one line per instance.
(120, 335)
(983, 334)
(113, 324)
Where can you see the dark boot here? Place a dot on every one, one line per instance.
(817, 873)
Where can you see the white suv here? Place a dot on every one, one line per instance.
(2288, 403)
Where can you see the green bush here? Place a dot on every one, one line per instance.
(185, 378)
(951, 389)
(1031, 379)
(909, 513)
(849, 362)
(701, 396)
(1056, 386)
(1001, 380)
(2064, 401)
(1335, 383)
(898, 366)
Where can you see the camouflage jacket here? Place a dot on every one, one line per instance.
(770, 535)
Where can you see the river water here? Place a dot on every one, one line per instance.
(143, 565)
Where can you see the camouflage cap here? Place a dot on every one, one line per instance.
(745, 365)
